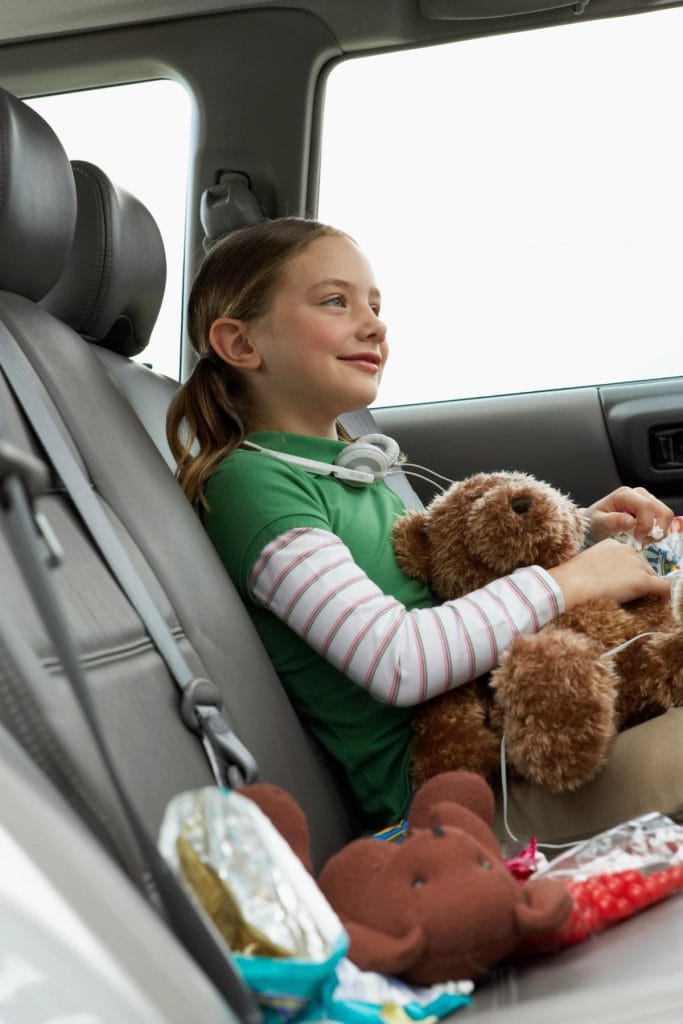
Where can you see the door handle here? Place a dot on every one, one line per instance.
(666, 447)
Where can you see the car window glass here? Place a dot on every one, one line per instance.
(519, 198)
(140, 136)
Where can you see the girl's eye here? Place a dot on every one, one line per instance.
(335, 300)
(375, 310)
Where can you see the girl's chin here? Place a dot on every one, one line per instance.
(367, 395)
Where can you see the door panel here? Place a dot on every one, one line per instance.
(586, 441)
(645, 426)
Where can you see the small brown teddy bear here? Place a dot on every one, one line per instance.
(554, 696)
(440, 906)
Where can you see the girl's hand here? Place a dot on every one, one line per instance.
(607, 570)
(628, 509)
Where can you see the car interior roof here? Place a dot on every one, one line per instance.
(356, 24)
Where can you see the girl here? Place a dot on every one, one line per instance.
(285, 317)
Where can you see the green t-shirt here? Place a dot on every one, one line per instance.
(254, 498)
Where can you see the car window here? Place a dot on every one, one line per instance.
(519, 198)
(140, 136)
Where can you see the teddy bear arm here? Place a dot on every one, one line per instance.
(374, 950)
(285, 814)
(546, 905)
(611, 624)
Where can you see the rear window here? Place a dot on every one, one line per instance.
(519, 197)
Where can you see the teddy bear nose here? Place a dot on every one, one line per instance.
(520, 505)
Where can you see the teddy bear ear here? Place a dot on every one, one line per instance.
(546, 905)
(285, 814)
(346, 875)
(463, 789)
(373, 950)
(411, 545)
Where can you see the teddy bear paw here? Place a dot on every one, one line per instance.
(557, 697)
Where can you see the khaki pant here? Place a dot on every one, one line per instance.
(644, 773)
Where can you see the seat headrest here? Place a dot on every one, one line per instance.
(113, 284)
(37, 201)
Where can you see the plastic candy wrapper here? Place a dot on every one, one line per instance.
(613, 876)
(664, 553)
(285, 938)
(363, 997)
(280, 930)
(527, 862)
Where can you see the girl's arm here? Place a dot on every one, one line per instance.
(308, 579)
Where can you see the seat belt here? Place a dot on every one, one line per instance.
(23, 477)
(363, 422)
(201, 703)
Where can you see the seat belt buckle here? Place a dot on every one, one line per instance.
(31, 470)
(201, 709)
(233, 764)
(19, 469)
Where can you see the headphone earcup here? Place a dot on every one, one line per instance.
(371, 453)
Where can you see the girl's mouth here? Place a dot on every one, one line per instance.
(369, 362)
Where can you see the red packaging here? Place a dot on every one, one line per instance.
(614, 875)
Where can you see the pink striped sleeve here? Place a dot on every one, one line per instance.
(308, 578)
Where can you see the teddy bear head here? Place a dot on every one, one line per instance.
(442, 905)
(484, 527)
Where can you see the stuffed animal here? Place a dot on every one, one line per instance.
(440, 906)
(556, 698)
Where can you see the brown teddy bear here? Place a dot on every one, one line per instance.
(440, 906)
(554, 696)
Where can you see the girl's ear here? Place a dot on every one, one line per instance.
(229, 339)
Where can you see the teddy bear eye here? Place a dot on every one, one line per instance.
(417, 883)
(486, 865)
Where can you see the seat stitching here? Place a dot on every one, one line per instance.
(98, 274)
(107, 256)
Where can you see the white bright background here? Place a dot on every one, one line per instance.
(519, 198)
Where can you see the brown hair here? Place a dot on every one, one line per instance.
(209, 415)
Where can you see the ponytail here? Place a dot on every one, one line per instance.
(206, 421)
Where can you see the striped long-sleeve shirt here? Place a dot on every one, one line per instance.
(355, 642)
(308, 578)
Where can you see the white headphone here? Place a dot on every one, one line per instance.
(362, 462)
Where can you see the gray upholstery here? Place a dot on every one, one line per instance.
(36, 222)
(113, 283)
(157, 755)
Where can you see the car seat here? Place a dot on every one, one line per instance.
(157, 755)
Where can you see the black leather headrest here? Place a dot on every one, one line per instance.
(37, 201)
(113, 284)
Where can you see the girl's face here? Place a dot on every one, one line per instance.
(321, 347)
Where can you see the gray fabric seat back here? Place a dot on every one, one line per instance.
(157, 756)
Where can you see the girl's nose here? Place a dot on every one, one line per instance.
(373, 327)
